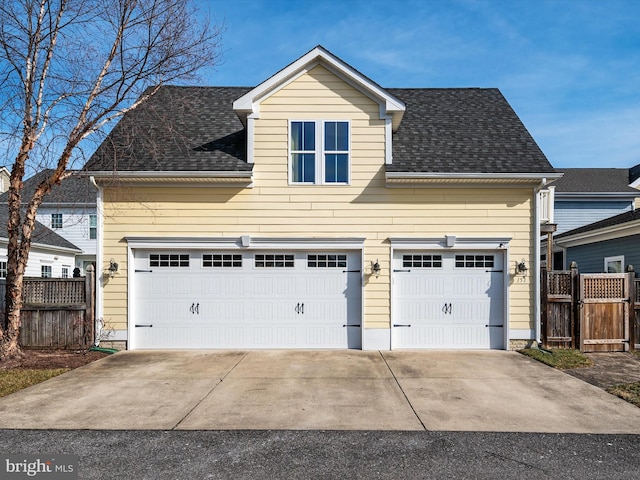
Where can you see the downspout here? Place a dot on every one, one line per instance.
(99, 256)
(536, 252)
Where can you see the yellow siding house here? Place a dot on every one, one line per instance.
(319, 210)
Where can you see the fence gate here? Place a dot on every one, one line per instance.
(604, 305)
(558, 298)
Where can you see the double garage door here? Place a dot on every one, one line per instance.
(249, 299)
(452, 299)
(313, 299)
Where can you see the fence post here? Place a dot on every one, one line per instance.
(90, 295)
(575, 325)
(544, 305)
(631, 318)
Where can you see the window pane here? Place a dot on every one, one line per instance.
(336, 136)
(303, 136)
(304, 166)
(296, 135)
(309, 136)
(342, 129)
(336, 168)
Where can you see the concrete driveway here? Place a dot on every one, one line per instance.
(324, 390)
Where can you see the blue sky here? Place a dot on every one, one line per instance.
(569, 68)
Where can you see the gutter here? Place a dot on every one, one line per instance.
(413, 178)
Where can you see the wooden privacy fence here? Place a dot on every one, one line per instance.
(636, 313)
(593, 312)
(57, 313)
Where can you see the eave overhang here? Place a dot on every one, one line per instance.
(4, 242)
(422, 179)
(604, 196)
(186, 179)
(600, 235)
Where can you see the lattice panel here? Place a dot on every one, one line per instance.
(602, 288)
(559, 283)
(54, 292)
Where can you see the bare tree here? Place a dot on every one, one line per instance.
(68, 68)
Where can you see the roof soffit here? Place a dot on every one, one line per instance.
(249, 104)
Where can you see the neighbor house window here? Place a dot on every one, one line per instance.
(45, 271)
(3, 269)
(93, 227)
(319, 152)
(56, 220)
(614, 264)
(65, 272)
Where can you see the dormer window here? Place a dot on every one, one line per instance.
(315, 162)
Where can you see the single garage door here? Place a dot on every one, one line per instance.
(211, 299)
(448, 299)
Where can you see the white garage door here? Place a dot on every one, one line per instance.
(200, 299)
(448, 300)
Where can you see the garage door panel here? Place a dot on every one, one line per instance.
(248, 300)
(448, 299)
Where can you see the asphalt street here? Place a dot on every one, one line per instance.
(274, 454)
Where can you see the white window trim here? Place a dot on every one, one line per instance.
(617, 258)
(319, 152)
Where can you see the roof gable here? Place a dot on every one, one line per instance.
(249, 104)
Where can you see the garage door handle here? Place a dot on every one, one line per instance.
(148, 326)
(400, 325)
(352, 326)
(495, 326)
(399, 271)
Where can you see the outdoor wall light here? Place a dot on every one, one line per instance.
(113, 268)
(521, 267)
(375, 268)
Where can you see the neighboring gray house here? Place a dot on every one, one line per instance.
(70, 211)
(587, 195)
(50, 254)
(607, 246)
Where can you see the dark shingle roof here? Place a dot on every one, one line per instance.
(607, 222)
(462, 130)
(634, 173)
(76, 189)
(443, 130)
(41, 234)
(178, 129)
(594, 180)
